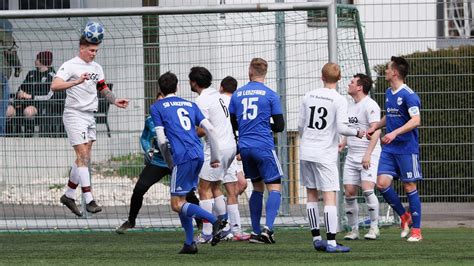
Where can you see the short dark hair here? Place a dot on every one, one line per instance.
(201, 76)
(364, 81)
(229, 84)
(168, 83)
(401, 65)
(84, 42)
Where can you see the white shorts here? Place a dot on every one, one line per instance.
(320, 176)
(354, 173)
(217, 174)
(231, 174)
(80, 126)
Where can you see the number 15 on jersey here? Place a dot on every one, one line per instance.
(250, 106)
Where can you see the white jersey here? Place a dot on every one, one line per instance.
(322, 117)
(361, 114)
(82, 97)
(215, 107)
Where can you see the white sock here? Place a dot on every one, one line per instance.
(313, 217)
(206, 225)
(234, 218)
(219, 205)
(74, 178)
(221, 209)
(330, 215)
(352, 213)
(372, 206)
(85, 181)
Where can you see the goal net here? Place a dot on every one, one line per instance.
(36, 156)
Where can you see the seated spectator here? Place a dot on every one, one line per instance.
(9, 61)
(34, 93)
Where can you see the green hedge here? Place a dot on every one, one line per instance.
(444, 80)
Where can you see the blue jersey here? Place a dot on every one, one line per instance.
(179, 117)
(148, 142)
(398, 107)
(253, 105)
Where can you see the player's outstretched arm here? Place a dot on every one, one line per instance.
(375, 126)
(213, 141)
(109, 95)
(278, 124)
(342, 123)
(163, 146)
(59, 84)
(373, 142)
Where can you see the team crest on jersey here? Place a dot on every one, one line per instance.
(386, 100)
(399, 100)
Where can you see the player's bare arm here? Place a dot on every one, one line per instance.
(413, 123)
(109, 95)
(373, 142)
(215, 151)
(59, 84)
(342, 144)
(200, 132)
(375, 126)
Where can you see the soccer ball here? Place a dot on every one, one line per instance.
(94, 32)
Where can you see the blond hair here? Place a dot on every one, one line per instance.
(259, 67)
(331, 72)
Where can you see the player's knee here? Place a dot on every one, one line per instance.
(30, 111)
(175, 208)
(409, 187)
(140, 189)
(381, 186)
(11, 111)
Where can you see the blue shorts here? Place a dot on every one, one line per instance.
(261, 163)
(184, 177)
(405, 167)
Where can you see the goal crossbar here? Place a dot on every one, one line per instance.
(136, 11)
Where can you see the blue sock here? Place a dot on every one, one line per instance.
(256, 206)
(415, 208)
(192, 210)
(272, 207)
(391, 196)
(187, 224)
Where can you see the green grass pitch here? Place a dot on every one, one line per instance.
(293, 247)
